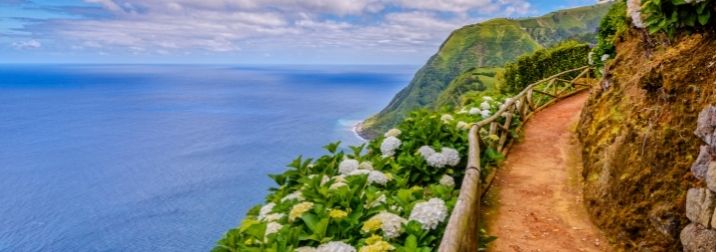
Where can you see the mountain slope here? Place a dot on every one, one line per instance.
(476, 80)
(488, 44)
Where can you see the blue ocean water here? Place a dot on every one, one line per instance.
(162, 157)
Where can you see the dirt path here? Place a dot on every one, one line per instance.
(538, 190)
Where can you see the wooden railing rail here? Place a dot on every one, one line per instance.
(462, 232)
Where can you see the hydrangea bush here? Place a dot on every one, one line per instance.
(394, 193)
(612, 26)
(671, 15)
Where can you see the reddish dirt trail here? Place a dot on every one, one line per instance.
(539, 190)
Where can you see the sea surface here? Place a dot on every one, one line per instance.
(162, 157)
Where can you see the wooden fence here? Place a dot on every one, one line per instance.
(462, 232)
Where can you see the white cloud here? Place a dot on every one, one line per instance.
(265, 26)
(29, 44)
(445, 5)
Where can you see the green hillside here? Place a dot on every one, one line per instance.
(479, 79)
(489, 44)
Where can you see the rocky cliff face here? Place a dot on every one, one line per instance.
(638, 136)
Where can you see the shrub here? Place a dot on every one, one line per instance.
(668, 16)
(543, 63)
(611, 27)
(396, 191)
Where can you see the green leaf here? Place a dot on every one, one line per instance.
(332, 147)
(411, 243)
(256, 229)
(322, 227)
(311, 221)
(704, 18)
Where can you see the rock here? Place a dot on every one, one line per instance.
(713, 220)
(696, 238)
(706, 124)
(700, 206)
(701, 165)
(711, 176)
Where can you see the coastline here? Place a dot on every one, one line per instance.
(357, 129)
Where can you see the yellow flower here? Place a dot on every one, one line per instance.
(493, 137)
(373, 239)
(376, 244)
(299, 209)
(372, 225)
(338, 214)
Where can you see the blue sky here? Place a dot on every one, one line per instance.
(243, 31)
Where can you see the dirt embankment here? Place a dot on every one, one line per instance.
(636, 130)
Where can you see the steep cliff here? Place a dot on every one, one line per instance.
(637, 132)
(489, 44)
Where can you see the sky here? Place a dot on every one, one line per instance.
(243, 31)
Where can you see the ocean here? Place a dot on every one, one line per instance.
(163, 157)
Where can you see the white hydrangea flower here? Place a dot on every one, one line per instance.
(359, 172)
(389, 146)
(485, 105)
(634, 11)
(274, 217)
(605, 57)
(487, 98)
(272, 228)
(447, 181)
(437, 160)
(462, 125)
(367, 165)
(306, 249)
(426, 151)
(339, 178)
(590, 58)
(297, 195)
(348, 165)
(485, 113)
(429, 214)
(452, 157)
(266, 210)
(336, 246)
(446, 118)
(376, 177)
(337, 185)
(391, 224)
(393, 133)
(475, 111)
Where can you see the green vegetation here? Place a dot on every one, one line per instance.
(488, 44)
(481, 80)
(543, 63)
(612, 26)
(670, 15)
(394, 193)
